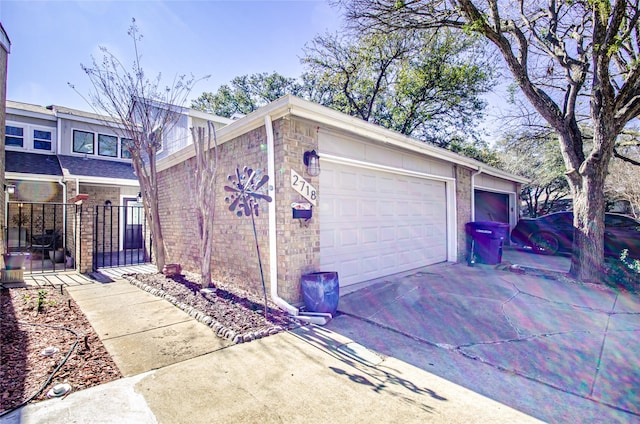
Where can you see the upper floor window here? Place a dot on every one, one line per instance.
(125, 144)
(14, 136)
(108, 145)
(41, 140)
(83, 142)
(29, 137)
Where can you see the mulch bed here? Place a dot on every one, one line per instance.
(26, 329)
(34, 319)
(232, 313)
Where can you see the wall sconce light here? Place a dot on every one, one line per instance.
(312, 162)
(139, 198)
(10, 188)
(107, 202)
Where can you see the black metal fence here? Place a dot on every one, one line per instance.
(121, 236)
(47, 232)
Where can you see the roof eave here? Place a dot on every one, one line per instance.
(295, 106)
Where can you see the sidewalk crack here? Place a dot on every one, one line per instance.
(604, 339)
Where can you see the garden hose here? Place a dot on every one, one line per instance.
(48, 381)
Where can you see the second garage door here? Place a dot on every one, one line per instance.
(375, 223)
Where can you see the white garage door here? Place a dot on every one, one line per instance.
(375, 223)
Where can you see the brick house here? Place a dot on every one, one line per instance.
(383, 202)
(52, 155)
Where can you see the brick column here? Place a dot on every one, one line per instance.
(464, 193)
(84, 244)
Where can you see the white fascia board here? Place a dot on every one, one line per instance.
(493, 190)
(255, 119)
(31, 177)
(295, 106)
(67, 177)
(209, 117)
(104, 181)
(321, 114)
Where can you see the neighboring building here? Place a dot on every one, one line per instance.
(5, 49)
(383, 203)
(53, 154)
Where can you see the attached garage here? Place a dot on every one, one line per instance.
(383, 203)
(491, 206)
(494, 199)
(376, 223)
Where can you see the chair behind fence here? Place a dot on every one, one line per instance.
(46, 232)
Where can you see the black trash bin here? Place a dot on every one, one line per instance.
(484, 241)
(321, 291)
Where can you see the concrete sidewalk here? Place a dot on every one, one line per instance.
(180, 372)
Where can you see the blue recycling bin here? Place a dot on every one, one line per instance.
(484, 241)
(321, 291)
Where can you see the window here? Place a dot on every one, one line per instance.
(82, 142)
(619, 221)
(125, 143)
(41, 140)
(108, 145)
(14, 136)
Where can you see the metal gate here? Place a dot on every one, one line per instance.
(121, 236)
(47, 232)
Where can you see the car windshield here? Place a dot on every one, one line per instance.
(560, 218)
(620, 221)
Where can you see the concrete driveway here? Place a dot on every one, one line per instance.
(556, 350)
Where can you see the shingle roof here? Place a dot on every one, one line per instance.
(28, 107)
(79, 167)
(32, 163)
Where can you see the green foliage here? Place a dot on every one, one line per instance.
(624, 273)
(424, 84)
(537, 156)
(479, 151)
(38, 302)
(42, 294)
(246, 93)
(427, 85)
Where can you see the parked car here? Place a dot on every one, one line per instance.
(553, 233)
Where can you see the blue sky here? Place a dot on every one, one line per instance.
(224, 39)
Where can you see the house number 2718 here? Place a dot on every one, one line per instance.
(303, 187)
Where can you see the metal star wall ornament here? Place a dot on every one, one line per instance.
(245, 193)
(243, 200)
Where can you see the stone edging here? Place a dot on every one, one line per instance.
(219, 329)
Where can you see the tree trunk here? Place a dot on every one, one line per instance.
(158, 243)
(205, 266)
(159, 252)
(587, 186)
(588, 219)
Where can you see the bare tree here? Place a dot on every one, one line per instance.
(145, 112)
(534, 153)
(202, 180)
(623, 181)
(557, 52)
